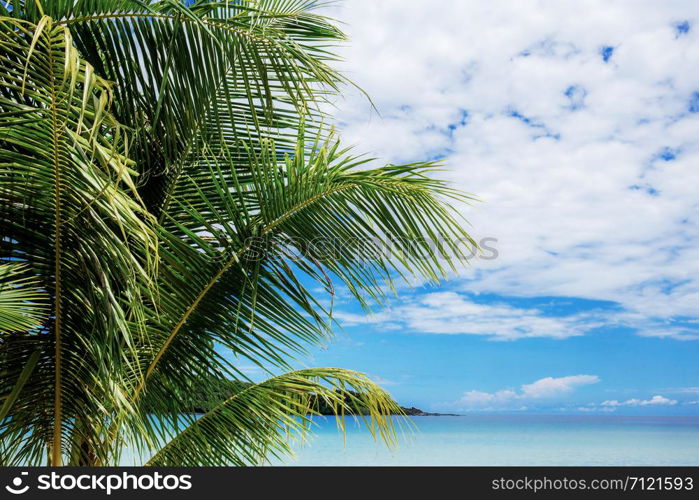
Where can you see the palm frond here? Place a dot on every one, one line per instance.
(265, 63)
(70, 211)
(165, 186)
(22, 305)
(234, 284)
(260, 422)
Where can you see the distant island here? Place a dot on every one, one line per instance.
(417, 412)
(325, 409)
(203, 401)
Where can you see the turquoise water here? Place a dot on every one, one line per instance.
(513, 440)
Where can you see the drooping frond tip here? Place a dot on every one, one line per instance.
(259, 422)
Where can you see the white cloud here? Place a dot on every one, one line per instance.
(656, 400)
(670, 333)
(351, 319)
(384, 382)
(576, 187)
(552, 387)
(687, 390)
(452, 313)
(548, 388)
(594, 409)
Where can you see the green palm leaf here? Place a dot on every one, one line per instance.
(263, 61)
(165, 179)
(71, 213)
(312, 196)
(22, 304)
(260, 422)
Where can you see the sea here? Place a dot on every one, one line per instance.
(517, 440)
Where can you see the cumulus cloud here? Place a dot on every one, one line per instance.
(576, 124)
(656, 400)
(552, 387)
(545, 389)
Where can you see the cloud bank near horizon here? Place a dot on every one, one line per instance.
(545, 389)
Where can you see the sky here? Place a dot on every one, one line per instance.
(576, 124)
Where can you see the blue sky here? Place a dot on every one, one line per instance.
(436, 363)
(577, 125)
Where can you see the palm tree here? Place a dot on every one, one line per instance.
(165, 178)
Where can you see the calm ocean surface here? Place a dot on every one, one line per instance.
(513, 440)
